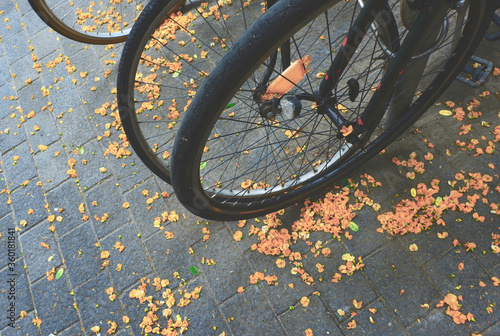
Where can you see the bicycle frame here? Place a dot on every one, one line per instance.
(416, 41)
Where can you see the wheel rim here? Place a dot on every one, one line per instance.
(95, 22)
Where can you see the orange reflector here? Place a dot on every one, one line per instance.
(288, 79)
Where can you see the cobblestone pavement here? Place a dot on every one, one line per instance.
(72, 275)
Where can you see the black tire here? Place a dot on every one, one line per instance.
(86, 22)
(151, 132)
(198, 175)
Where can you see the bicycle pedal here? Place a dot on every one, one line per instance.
(495, 20)
(476, 73)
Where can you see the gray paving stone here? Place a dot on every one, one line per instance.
(4, 70)
(444, 271)
(338, 295)
(385, 324)
(76, 128)
(366, 240)
(31, 97)
(5, 208)
(12, 27)
(8, 98)
(133, 308)
(23, 8)
(437, 320)
(81, 256)
(429, 245)
(74, 330)
(54, 305)
(494, 330)
(129, 171)
(203, 314)
(43, 40)
(469, 230)
(26, 198)
(24, 326)
(251, 312)
(172, 255)
(123, 165)
(213, 322)
(90, 174)
(92, 92)
(15, 136)
(68, 198)
(20, 297)
(65, 97)
(280, 295)
(117, 50)
(35, 255)
(21, 170)
(189, 230)
(109, 201)
(64, 74)
(247, 241)
(94, 304)
(32, 23)
(90, 60)
(315, 316)
(145, 218)
(22, 67)
(230, 271)
(9, 8)
(47, 132)
(51, 168)
(390, 281)
(135, 262)
(71, 47)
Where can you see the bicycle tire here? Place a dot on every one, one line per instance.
(215, 200)
(83, 25)
(149, 131)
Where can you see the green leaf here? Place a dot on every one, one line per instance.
(353, 226)
(59, 273)
(176, 74)
(345, 183)
(194, 270)
(203, 165)
(82, 150)
(230, 105)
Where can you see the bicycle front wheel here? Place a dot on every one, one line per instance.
(260, 135)
(93, 22)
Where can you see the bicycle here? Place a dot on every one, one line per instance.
(311, 91)
(167, 56)
(94, 22)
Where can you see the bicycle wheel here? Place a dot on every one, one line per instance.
(259, 136)
(86, 21)
(164, 61)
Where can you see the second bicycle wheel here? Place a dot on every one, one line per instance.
(87, 21)
(259, 136)
(165, 59)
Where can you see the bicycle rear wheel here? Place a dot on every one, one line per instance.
(93, 22)
(168, 55)
(259, 137)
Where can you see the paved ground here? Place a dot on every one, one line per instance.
(70, 275)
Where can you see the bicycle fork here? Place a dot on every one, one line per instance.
(429, 14)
